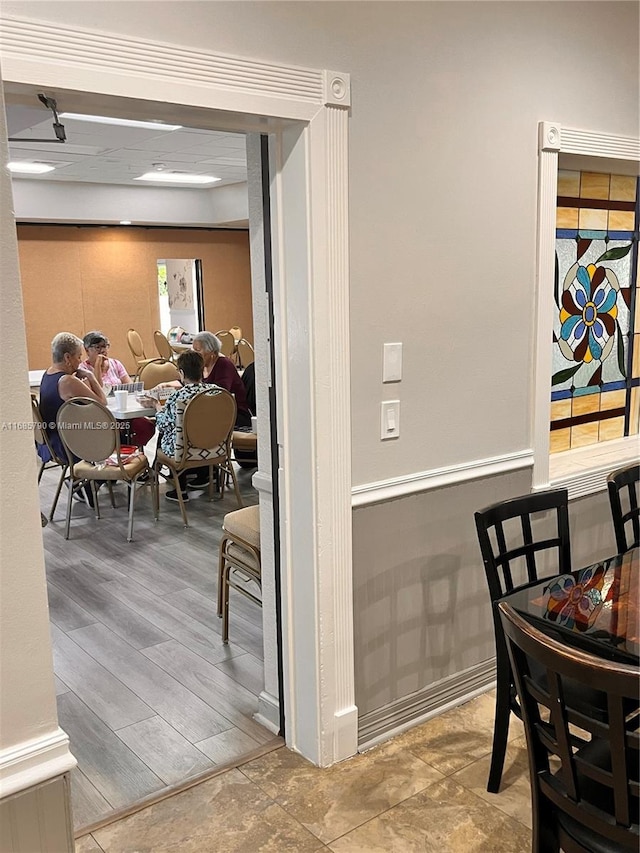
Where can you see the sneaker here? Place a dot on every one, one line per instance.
(173, 496)
(198, 483)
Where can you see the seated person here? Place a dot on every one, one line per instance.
(190, 365)
(62, 381)
(109, 372)
(220, 370)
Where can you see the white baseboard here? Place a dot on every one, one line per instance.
(437, 478)
(33, 761)
(268, 714)
(384, 723)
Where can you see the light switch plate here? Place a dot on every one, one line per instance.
(389, 419)
(392, 363)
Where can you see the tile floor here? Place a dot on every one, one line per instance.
(424, 790)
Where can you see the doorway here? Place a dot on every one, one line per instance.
(311, 304)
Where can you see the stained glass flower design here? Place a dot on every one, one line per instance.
(574, 602)
(588, 313)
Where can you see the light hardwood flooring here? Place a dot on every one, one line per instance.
(147, 692)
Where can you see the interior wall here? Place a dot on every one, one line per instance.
(77, 279)
(27, 698)
(442, 216)
(443, 171)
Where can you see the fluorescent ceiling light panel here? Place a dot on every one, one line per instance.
(121, 122)
(21, 167)
(177, 178)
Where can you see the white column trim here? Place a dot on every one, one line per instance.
(34, 761)
(437, 478)
(243, 92)
(553, 140)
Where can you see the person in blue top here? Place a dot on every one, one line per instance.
(62, 381)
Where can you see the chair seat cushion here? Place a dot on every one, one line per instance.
(245, 441)
(245, 524)
(86, 471)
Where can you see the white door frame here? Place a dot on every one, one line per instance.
(307, 111)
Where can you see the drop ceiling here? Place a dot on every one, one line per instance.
(111, 154)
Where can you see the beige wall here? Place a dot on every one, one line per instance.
(77, 279)
(443, 170)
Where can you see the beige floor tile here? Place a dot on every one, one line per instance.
(88, 844)
(459, 737)
(445, 818)
(514, 797)
(334, 800)
(227, 813)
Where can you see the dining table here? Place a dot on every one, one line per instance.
(132, 410)
(595, 608)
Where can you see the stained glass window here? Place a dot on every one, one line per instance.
(595, 386)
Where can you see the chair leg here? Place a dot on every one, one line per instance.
(69, 503)
(94, 492)
(132, 500)
(155, 490)
(111, 495)
(183, 509)
(500, 726)
(225, 603)
(63, 474)
(220, 571)
(41, 470)
(210, 492)
(235, 483)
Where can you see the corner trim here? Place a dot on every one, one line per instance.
(436, 478)
(394, 718)
(33, 761)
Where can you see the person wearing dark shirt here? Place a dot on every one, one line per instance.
(220, 370)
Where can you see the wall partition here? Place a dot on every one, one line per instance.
(81, 278)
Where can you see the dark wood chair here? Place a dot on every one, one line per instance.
(589, 803)
(623, 486)
(514, 555)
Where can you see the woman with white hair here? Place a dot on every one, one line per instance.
(62, 381)
(220, 370)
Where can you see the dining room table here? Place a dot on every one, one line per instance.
(133, 409)
(595, 608)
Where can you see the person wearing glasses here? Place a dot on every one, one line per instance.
(109, 372)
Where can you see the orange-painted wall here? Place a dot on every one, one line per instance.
(75, 279)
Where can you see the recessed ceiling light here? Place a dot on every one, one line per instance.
(122, 122)
(125, 222)
(177, 178)
(24, 167)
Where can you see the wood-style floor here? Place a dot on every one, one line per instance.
(147, 692)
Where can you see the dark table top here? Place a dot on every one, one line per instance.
(595, 608)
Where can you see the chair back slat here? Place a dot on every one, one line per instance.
(624, 486)
(204, 425)
(159, 370)
(596, 785)
(135, 344)
(162, 345)
(227, 341)
(88, 430)
(526, 542)
(41, 436)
